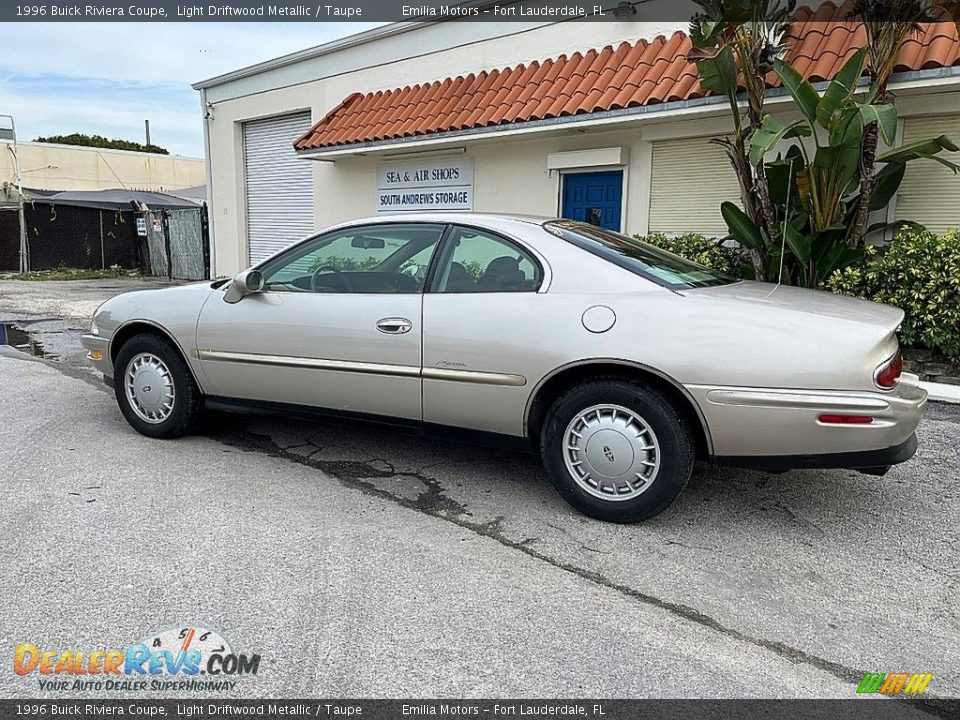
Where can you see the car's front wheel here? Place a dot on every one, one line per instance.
(154, 388)
(617, 449)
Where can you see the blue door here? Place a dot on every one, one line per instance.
(594, 198)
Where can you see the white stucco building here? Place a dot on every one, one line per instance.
(51, 166)
(409, 116)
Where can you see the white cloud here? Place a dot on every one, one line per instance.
(117, 111)
(151, 52)
(105, 78)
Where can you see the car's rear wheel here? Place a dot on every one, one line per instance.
(617, 449)
(154, 388)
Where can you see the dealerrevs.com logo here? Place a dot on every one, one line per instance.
(189, 659)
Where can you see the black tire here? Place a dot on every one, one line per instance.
(673, 436)
(187, 397)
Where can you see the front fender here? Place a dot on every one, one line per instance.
(172, 312)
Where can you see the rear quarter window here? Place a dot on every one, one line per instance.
(648, 261)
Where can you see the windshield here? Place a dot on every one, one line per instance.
(649, 261)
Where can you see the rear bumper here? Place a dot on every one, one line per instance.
(862, 460)
(763, 424)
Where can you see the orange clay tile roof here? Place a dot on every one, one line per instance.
(630, 75)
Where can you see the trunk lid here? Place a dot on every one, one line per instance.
(758, 298)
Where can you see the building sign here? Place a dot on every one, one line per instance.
(424, 185)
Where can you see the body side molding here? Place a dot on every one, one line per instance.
(469, 376)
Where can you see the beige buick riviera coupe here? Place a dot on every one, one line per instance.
(619, 363)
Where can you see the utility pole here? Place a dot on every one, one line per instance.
(11, 134)
(146, 127)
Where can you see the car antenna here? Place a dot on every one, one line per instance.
(786, 214)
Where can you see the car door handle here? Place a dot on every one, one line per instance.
(394, 325)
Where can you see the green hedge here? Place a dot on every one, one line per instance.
(98, 141)
(706, 251)
(919, 273)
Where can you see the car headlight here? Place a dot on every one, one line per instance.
(94, 330)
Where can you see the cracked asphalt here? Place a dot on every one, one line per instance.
(360, 561)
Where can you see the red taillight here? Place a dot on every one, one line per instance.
(845, 419)
(888, 374)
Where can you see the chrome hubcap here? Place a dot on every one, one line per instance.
(611, 452)
(149, 387)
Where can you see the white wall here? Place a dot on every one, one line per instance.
(510, 172)
(49, 166)
(509, 177)
(493, 45)
(471, 47)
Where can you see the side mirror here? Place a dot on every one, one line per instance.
(246, 283)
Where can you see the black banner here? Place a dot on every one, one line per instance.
(855, 709)
(368, 11)
(347, 10)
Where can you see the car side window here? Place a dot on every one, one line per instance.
(477, 261)
(388, 258)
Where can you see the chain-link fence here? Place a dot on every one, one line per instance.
(9, 239)
(79, 237)
(170, 243)
(177, 243)
(188, 258)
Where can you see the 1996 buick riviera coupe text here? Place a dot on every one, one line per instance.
(616, 361)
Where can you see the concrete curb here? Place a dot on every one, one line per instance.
(942, 392)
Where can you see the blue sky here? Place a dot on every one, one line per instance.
(106, 78)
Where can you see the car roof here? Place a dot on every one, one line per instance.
(466, 218)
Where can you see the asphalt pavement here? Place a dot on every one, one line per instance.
(364, 562)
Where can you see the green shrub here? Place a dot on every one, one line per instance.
(99, 141)
(919, 273)
(709, 252)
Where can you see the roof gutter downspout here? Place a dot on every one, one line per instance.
(208, 172)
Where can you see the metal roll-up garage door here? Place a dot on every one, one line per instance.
(689, 180)
(929, 191)
(279, 185)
